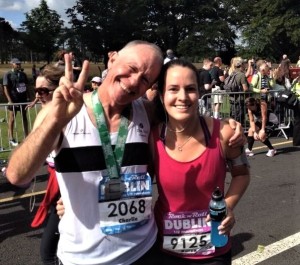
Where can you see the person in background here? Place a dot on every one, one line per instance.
(217, 75)
(261, 82)
(286, 65)
(96, 82)
(259, 118)
(298, 62)
(46, 83)
(170, 56)
(190, 154)
(60, 60)
(206, 83)
(34, 72)
(237, 101)
(77, 65)
(250, 69)
(15, 84)
(296, 130)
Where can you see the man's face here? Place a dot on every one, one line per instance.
(16, 66)
(133, 70)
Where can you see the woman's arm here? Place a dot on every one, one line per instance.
(264, 112)
(251, 121)
(239, 168)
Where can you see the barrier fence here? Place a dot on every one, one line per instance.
(232, 104)
(18, 127)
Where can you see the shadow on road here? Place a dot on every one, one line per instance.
(238, 241)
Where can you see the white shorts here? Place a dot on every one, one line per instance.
(216, 98)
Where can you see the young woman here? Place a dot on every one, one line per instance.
(191, 157)
(259, 117)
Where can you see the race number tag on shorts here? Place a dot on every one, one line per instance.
(21, 87)
(187, 233)
(132, 209)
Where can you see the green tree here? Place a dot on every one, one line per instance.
(8, 37)
(194, 28)
(190, 27)
(106, 25)
(274, 29)
(42, 27)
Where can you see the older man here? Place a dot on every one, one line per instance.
(108, 217)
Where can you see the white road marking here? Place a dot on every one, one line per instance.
(275, 144)
(269, 251)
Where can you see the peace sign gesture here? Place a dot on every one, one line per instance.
(68, 97)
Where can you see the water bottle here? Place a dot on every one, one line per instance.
(217, 211)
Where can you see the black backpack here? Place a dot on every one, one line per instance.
(287, 98)
(230, 83)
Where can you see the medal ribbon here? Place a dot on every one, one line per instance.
(113, 158)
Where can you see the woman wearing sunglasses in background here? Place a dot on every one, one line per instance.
(46, 83)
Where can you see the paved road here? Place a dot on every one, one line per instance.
(268, 217)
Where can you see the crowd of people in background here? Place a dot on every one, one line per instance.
(256, 77)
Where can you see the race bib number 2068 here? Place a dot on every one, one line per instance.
(132, 209)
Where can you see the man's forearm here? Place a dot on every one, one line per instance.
(27, 159)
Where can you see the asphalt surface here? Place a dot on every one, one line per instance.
(268, 212)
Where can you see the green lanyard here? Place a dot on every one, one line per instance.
(113, 159)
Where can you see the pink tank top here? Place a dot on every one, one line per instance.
(185, 190)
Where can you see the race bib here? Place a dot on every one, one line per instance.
(187, 233)
(126, 204)
(21, 88)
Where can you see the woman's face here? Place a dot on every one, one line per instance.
(43, 90)
(180, 94)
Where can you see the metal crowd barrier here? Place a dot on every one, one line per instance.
(18, 128)
(232, 104)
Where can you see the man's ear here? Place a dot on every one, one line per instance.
(111, 58)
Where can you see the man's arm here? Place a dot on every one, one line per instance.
(5, 89)
(66, 103)
(29, 156)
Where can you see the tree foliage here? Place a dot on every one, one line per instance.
(7, 37)
(194, 29)
(42, 27)
(190, 27)
(274, 29)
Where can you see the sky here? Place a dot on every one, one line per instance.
(14, 11)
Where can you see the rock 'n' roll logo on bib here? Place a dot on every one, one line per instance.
(187, 233)
(125, 204)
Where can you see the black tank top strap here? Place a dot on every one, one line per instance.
(205, 129)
